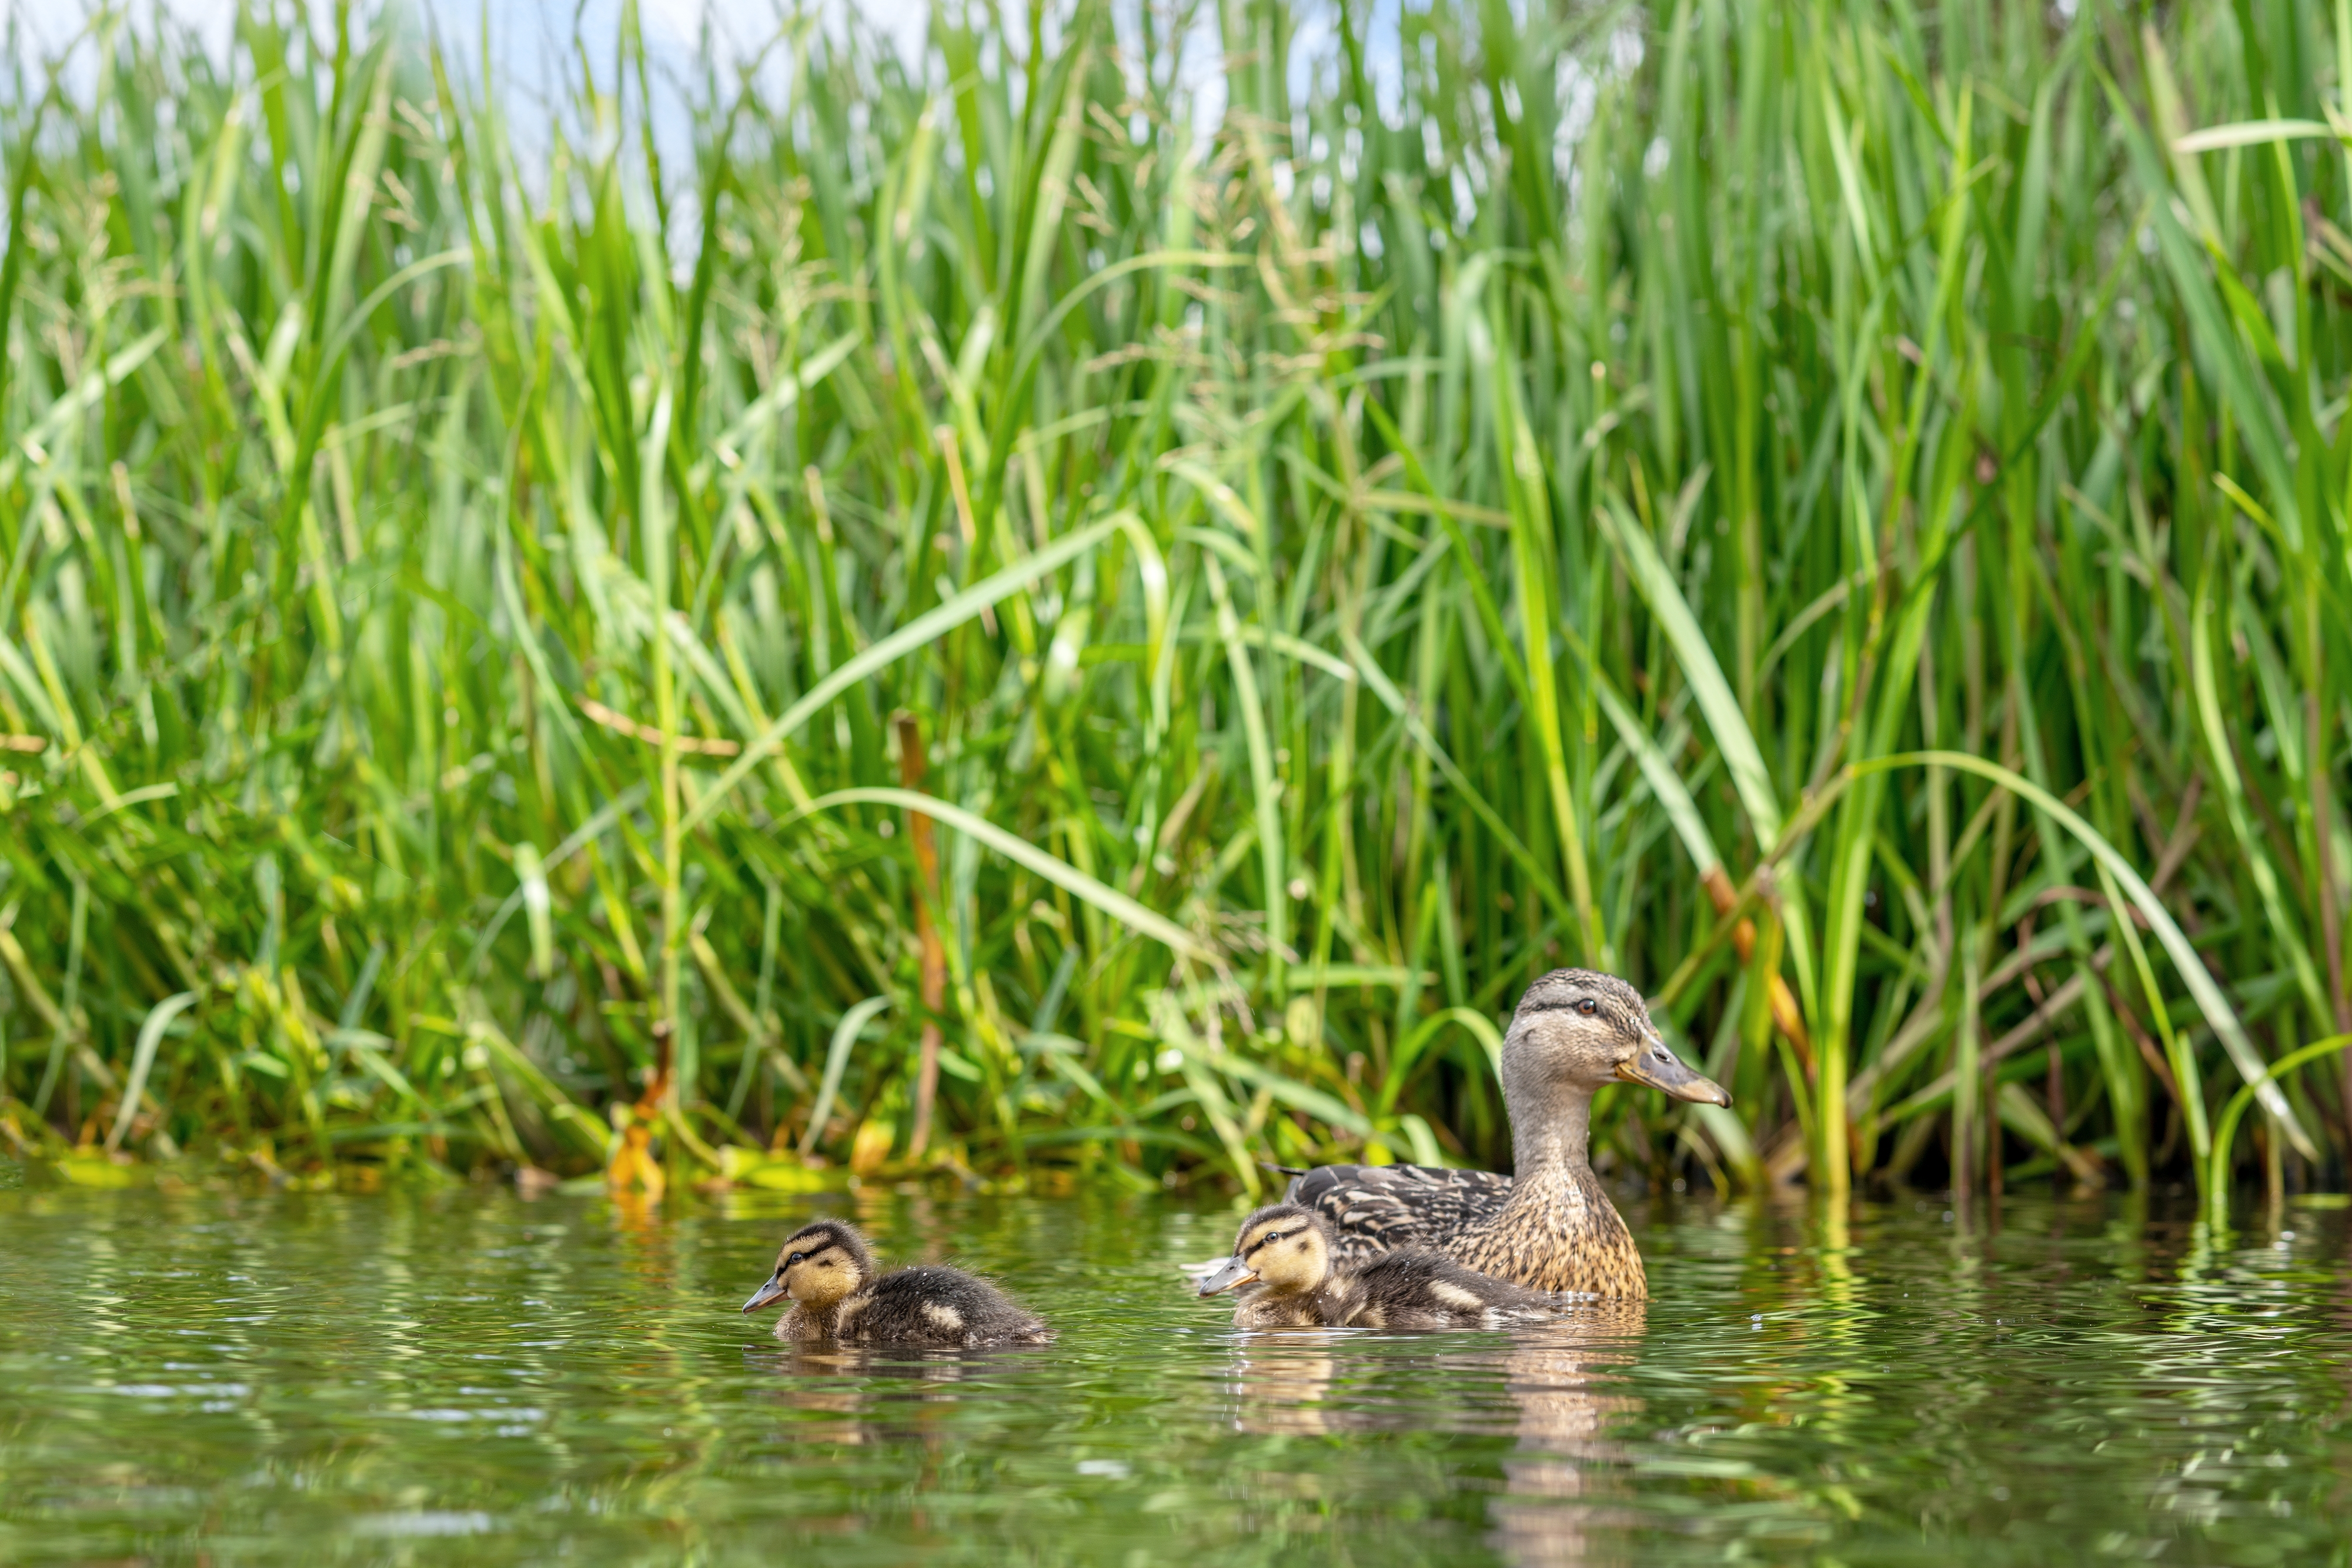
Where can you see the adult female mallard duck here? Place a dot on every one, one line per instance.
(1549, 1226)
(1282, 1261)
(827, 1271)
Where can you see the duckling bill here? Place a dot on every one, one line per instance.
(826, 1271)
(1281, 1264)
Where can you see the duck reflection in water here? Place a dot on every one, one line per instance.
(1555, 1387)
(1561, 1378)
(1282, 1388)
(870, 1394)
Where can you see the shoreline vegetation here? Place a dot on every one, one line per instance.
(978, 622)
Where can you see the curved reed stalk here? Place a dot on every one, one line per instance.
(1507, 493)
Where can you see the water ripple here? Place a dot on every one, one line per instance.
(476, 1379)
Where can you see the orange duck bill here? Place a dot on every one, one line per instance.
(1662, 1071)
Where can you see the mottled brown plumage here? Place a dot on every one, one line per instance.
(1551, 1228)
(1284, 1268)
(827, 1271)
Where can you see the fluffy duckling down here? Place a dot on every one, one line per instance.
(827, 1271)
(1282, 1264)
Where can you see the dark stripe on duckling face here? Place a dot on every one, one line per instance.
(801, 1248)
(1273, 1223)
(811, 1239)
(1286, 1250)
(821, 1263)
(1266, 1239)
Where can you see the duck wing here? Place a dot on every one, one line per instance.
(1375, 1208)
(1424, 1271)
(1414, 1287)
(931, 1303)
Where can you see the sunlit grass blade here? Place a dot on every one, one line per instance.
(1209, 496)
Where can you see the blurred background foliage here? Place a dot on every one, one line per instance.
(1834, 511)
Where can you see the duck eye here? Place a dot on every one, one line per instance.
(796, 1258)
(1588, 1007)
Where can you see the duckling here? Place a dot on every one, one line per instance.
(1550, 1227)
(827, 1270)
(1283, 1259)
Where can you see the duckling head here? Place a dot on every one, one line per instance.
(823, 1261)
(1283, 1246)
(1578, 1028)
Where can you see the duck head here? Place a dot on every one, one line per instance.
(1583, 1029)
(1283, 1246)
(823, 1261)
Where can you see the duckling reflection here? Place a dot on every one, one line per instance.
(869, 1396)
(820, 1383)
(1283, 1390)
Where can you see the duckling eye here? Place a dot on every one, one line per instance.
(796, 1258)
(1588, 1007)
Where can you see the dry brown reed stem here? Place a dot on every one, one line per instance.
(1787, 1016)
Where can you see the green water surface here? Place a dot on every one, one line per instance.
(466, 1378)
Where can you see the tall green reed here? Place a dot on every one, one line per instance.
(1833, 511)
